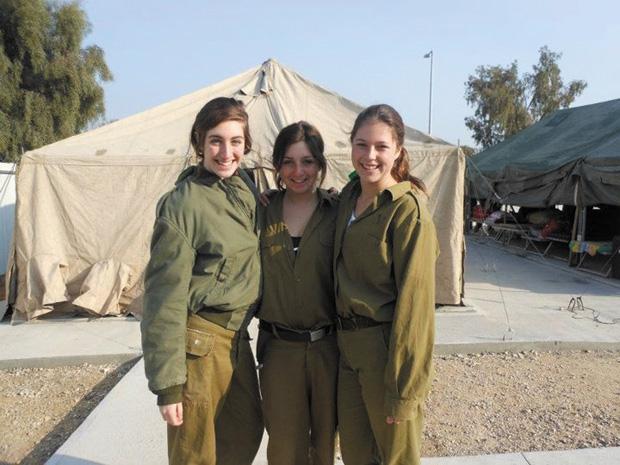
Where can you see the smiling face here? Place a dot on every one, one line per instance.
(374, 151)
(299, 170)
(223, 148)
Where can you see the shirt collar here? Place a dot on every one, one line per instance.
(398, 190)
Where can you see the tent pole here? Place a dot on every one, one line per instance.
(576, 221)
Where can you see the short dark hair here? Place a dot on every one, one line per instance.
(217, 111)
(301, 131)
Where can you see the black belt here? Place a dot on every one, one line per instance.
(355, 322)
(288, 334)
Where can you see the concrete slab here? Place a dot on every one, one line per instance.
(496, 459)
(517, 302)
(606, 456)
(69, 342)
(124, 429)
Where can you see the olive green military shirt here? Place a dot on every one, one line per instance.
(205, 260)
(384, 265)
(298, 290)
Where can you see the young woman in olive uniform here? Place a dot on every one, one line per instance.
(297, 341)
(201, 288)
(384, 265)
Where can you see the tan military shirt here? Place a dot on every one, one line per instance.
(384, 265)
(298, 290)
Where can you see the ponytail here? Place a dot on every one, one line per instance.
(400, 171)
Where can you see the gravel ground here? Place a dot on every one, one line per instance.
(499, 403)
(41, 407)
(480, 404)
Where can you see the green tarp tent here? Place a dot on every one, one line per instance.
(570, 157)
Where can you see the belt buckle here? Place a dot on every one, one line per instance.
(317, 334)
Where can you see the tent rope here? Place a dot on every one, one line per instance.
(576, 306)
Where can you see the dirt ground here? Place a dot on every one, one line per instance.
(483, 404)
(41, 407)
(480, 404)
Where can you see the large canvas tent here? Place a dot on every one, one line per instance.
(570, 157)
(86, 204)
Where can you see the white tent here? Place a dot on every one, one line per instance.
(7, 211)
(7, 215)
(86, 204)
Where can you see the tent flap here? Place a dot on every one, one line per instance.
(46, 284)
(101, 290)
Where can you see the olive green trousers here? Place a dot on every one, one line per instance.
(298, 386)
(365, 437)
(222, 419)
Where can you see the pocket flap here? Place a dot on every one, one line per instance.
(198, 342)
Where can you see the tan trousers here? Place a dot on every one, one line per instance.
(298, 386)
(365, 437)
(222, 419)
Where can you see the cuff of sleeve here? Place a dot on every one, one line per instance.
(170, 395)
(402, 409)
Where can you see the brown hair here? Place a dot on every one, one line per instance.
(299, 132)
(388, 115)
(214, 112)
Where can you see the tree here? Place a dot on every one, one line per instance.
(506, 103)
(468, 151)
(49, 86)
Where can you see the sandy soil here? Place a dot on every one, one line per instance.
(482, 404)
(41, 407)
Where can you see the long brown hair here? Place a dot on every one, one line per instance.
(388, 115)
(214, 112)
(301, 131)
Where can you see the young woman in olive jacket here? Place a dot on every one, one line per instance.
(201, 288)
(384, 270)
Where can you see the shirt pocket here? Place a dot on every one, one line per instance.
(271, 246)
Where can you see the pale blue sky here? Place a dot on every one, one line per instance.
(367, 51)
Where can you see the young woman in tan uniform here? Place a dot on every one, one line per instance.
(297, 341)
(384, 266)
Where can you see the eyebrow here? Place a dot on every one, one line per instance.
(359, 139)
(217, 136)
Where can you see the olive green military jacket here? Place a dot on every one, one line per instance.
(204, 259)
(384, 266)
(298, 291)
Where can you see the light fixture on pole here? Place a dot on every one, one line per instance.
(430, 94)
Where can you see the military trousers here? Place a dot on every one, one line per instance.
(365, 437)
(222, 418)
(298, 387)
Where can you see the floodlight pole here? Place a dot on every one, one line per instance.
(430, 94)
